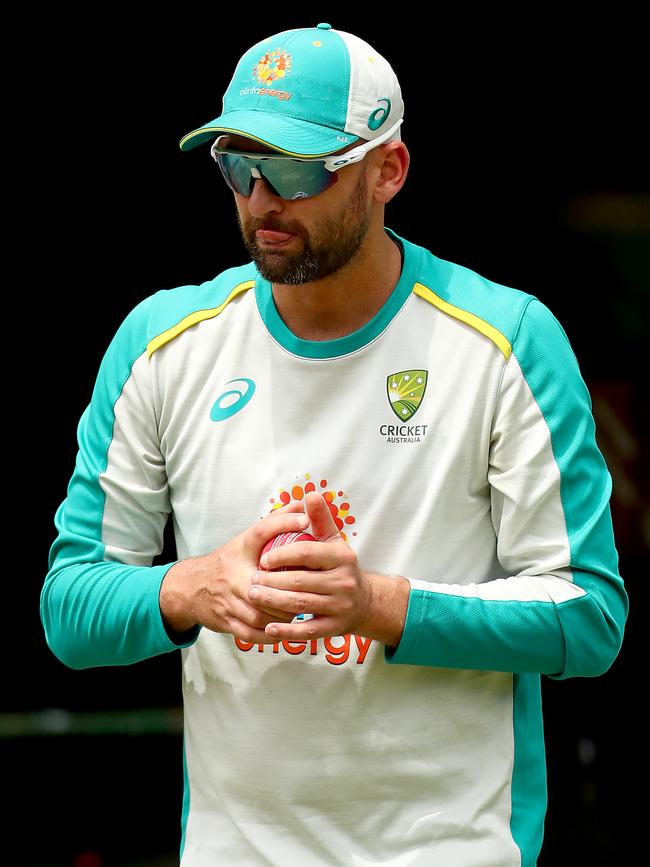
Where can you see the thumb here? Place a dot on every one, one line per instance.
(323, 528)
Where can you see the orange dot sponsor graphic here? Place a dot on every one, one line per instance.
(334, 650)
(272, 66)
(337, 500)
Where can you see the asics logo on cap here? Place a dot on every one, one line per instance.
(379, 115)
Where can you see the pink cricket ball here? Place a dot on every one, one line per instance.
(287, 539)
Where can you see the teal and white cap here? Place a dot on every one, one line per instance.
(308, 92)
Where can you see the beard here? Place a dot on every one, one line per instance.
(332, 243)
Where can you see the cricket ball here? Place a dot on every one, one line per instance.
(287, 539)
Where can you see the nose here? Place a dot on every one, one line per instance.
(262, 199)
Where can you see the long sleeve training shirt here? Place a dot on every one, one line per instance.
(453, 437)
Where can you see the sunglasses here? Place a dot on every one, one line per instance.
(289, 177)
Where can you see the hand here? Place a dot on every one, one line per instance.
(213, 590)
(335, 589)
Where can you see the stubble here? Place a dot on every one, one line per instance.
(331, 244)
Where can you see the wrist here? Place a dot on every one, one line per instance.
(387, 606)
(174, 598)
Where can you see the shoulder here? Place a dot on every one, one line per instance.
(161, 316)
(510, 317)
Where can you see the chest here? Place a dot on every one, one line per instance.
(382, 433)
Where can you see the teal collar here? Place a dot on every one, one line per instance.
(355, 340)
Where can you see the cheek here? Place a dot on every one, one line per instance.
(241, 210)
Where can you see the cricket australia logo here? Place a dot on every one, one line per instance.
(405, 392)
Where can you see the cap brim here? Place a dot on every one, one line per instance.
(286, 134)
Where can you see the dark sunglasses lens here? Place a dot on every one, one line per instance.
(237, 173)
(297, 180)
(289, 179)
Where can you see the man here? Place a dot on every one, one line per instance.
(373, 696)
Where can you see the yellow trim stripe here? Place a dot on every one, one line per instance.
(465, 316)
(203, 130)
(198, 316)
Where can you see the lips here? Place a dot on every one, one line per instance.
(269, 236)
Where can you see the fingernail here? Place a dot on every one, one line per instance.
(255, 578)
(273, 630)
(264, 560)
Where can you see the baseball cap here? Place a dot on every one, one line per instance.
(307, 92)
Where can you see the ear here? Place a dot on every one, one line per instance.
(390, 168)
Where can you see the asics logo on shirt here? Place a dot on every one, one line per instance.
(231, 401)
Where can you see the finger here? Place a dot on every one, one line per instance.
(323, 527)
(278, 522)
(291, 602)
(322, 582)
(310, 555)
(252, 615)
(273, 613)
(243, 621)
(249, 634)
(317, 627)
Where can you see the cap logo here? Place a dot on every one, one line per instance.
(272, 66)
(379, 115)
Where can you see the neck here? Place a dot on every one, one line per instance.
(344, 301)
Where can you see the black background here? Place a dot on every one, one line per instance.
(508, 123)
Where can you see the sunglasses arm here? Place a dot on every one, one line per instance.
(356, 154)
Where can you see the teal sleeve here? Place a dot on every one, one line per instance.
(99, 609)
(563, 620)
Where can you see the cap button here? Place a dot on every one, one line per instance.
(324, 26)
